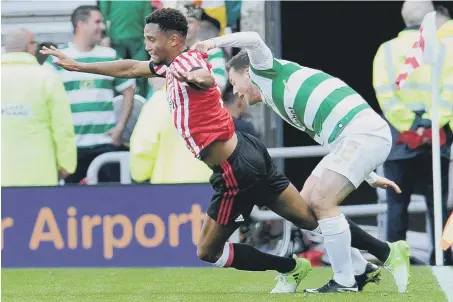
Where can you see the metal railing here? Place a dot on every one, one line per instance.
(121, 157)
(417, 204)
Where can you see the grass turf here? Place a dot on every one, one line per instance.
(186, 284)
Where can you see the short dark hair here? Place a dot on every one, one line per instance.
(239, 62)
(169, 19)
(82, 13)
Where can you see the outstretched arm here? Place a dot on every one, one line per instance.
(259, 53)
(117, 69)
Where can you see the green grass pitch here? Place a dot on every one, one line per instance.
(191, 284)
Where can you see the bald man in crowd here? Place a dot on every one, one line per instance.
(38, 141)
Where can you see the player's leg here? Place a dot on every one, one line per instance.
(237, 184)
(291, 206)
(325, 198)
(214, 248)
(360, 239)
(364, 271)
(353, 157)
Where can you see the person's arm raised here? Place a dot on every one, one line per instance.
(117, 69)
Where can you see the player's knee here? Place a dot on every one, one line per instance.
(306, 193)
(206, 254)
(319, 206)
(321, 200)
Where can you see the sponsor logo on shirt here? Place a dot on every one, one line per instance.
(295, 119)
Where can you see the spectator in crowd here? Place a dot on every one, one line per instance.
(233, 9)
(38, 141)
(156, 4)
(409, 114)
(203, 27)
(158, 153)
(97, 130)
(444, 22)
(214, 8)
(124, 31)
(237, 108)
(41, 57)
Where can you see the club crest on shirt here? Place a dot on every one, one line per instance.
(86, 84)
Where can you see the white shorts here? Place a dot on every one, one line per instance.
(363, 146)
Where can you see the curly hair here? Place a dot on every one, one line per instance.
(169, 19)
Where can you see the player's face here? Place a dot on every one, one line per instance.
(243, 86)
(93, 27)
(156, 43)
(193, 28)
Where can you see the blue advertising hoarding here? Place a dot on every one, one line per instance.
(103, 226)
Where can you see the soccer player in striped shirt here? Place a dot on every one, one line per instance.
(243, 172)
(333, 114)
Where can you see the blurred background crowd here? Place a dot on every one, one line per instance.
(55, 123)
(99, 114)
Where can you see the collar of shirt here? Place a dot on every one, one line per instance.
(445, 30)
(185, 50)
(74, 49)
(19, 58)
(414, 27)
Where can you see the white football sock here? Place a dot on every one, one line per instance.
(358, 262)
(337, 239)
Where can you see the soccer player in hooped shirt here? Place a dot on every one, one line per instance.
(333, 114)
(243, 172)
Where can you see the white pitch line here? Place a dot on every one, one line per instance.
(444, 276)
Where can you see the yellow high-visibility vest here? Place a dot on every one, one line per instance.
(399, 107)
(158, 152)
(37, 130)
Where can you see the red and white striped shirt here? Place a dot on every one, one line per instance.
(198, 114)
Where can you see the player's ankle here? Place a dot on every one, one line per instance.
(291, 271)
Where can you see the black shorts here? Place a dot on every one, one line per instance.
(248, 177)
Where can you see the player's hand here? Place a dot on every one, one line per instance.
(188, 77)
(62, 173)
(182, 76)
(63, 60)
(420, 131)
(204, 46)
(115, 133)
(385, 183)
